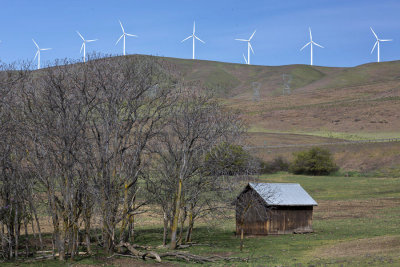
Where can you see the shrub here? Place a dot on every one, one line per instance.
(276, 165)
(316, 161)
(230, 159)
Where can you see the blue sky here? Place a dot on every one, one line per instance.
(342, 26)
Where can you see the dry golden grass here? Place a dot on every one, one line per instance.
(343, 209)
(382, 245)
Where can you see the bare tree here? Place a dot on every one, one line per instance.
(195, 125)
(133, 96)
(56, 118)
(16, 185)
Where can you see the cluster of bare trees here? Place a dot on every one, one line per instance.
(88, 145)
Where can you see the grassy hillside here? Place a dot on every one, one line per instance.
(325, 105)
(358, 100)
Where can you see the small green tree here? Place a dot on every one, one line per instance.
(228, 158)
(316, 161)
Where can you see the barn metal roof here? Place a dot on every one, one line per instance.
(283, 194)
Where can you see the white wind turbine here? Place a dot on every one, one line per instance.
(249, 47)
(124, 34)
(38, 53)
(378, 42)
(244, 57)
(311, 43)
(84, 45)
(194, 37)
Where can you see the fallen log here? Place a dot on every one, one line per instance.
(181, 255)
(135, 252)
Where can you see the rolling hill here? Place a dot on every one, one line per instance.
(360, 101)
(325, 105)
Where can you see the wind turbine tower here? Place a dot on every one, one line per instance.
(194, 37)
(38, 53)
(84, 45)
(249, 47)
(378, 43)
(124, 34)
(311, 43)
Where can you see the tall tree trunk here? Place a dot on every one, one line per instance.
(241, 238)
(74, 240)
(182, 221)
(174, 226)
(190, 225)
(56, 232)
(165, 232)
(26, 237)
(132, 228)
(3, 240)
(125, 220)
(16, 233)
(86, 219)
(38, 226)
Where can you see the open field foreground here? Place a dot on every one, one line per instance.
(356, 224)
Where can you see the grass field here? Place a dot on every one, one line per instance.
(356, 224)
(325, 105)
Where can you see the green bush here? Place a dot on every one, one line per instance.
(316, 161)
(230, 159)
(276, 165)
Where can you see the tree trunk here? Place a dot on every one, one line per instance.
(165, 232)
(26, 237)
(132, 221)
(179, 240)
(241, 238)
(122, 234)
(59, 244)
(38, 226)
(16, 233)
(132, 228)
(86, 219)
(190, 226)
(74, 240)
(174, 226)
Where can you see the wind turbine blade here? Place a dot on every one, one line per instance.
(317, 44)
(81, 48)
(35, 43)
(186, 38)
(310, 33)
(80, 35)
(386, 40)
(194, 27)
(251, 48)
(44, 49)
(131, 35)
(374, 47)
(245, 60)
(94, 40)
(199, 39)
(36, 55)
(252, 35)
(305, 45)
(119, 39)
(243, 40)
(376, 36)
(122, 27)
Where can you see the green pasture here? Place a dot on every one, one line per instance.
(218, 238)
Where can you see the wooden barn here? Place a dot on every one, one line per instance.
(274, 209)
